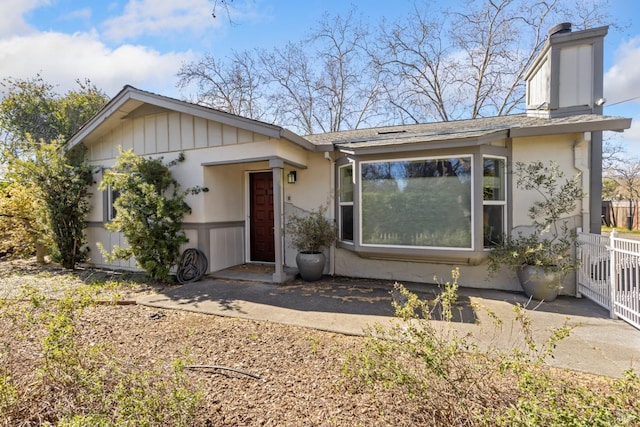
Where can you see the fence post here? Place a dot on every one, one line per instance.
(579, 262)
(612, 273)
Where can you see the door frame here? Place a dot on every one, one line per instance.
(247, 216)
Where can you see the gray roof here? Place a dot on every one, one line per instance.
(480, 130)
(131, 101)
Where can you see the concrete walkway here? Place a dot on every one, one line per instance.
(596, 345)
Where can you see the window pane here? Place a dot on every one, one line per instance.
(346, 184)
(112, 196)
(493, 224)
(417, 202)
(493, 179)
(346, 229)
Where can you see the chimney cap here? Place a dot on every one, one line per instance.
(565, 27)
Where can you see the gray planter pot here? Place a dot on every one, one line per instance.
(540, 284)
(310, 265)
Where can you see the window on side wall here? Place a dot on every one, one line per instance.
(494, 199)
(110, 197)
(346, 185)
(417, 203)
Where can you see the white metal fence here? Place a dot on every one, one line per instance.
(609, 274)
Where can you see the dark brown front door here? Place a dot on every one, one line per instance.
(261, 217)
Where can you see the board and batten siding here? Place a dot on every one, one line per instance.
(167, 132)
(226, 247)
(576, 76)
(538, 86)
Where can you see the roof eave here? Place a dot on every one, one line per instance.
(613, 124)
(99, 117)
(302, 142)
(426, 145)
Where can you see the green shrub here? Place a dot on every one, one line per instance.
(149, 212)
(454, 382)
(80, 385)
(61, 181)
(313, 232)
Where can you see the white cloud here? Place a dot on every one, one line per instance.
(160, 18)
(11, 16)
(622, 80)
(161, 35)
(63, 58)
(83, 14)
(633, 133)
(622, 85)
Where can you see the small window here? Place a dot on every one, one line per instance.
(494, 199)
(111, 196)
(346, 203)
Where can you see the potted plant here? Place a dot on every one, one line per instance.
(310, 235)
(544, 256)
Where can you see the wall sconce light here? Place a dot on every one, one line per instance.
(292, 177)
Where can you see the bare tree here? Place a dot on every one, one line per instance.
(221, 4)
(321, 84)
(417, 69)
(235, 86)
(432, 65)
(470, 63)
(348, 87)
(490, 36)
(294, 85)
(622, 181)
(612, 154)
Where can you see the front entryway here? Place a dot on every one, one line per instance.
(261, 236)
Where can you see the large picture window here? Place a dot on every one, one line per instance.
(417, 203)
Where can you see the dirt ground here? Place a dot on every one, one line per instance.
(299, 370)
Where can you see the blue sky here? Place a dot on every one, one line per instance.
(144, 42)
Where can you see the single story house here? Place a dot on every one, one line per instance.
(411, 202)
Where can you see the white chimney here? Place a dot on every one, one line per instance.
(566, 77)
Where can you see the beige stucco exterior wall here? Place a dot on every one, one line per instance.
(569, 151)
(217, 221)
(314, 188)
(221, 158)
(225, 199)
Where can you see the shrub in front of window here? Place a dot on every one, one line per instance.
(550, 243)
(149, 212)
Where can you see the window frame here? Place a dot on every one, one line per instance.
(499, 148)
(342, 203)
(110, 196)
(504, 202)
(359, 213)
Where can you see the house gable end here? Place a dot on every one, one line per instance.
(166, 131)
(152, 115)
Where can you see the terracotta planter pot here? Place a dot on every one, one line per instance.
(310, 265)
(540, 284)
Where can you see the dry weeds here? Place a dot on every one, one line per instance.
(300, 369)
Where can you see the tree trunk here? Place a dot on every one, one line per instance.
(40, 253)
